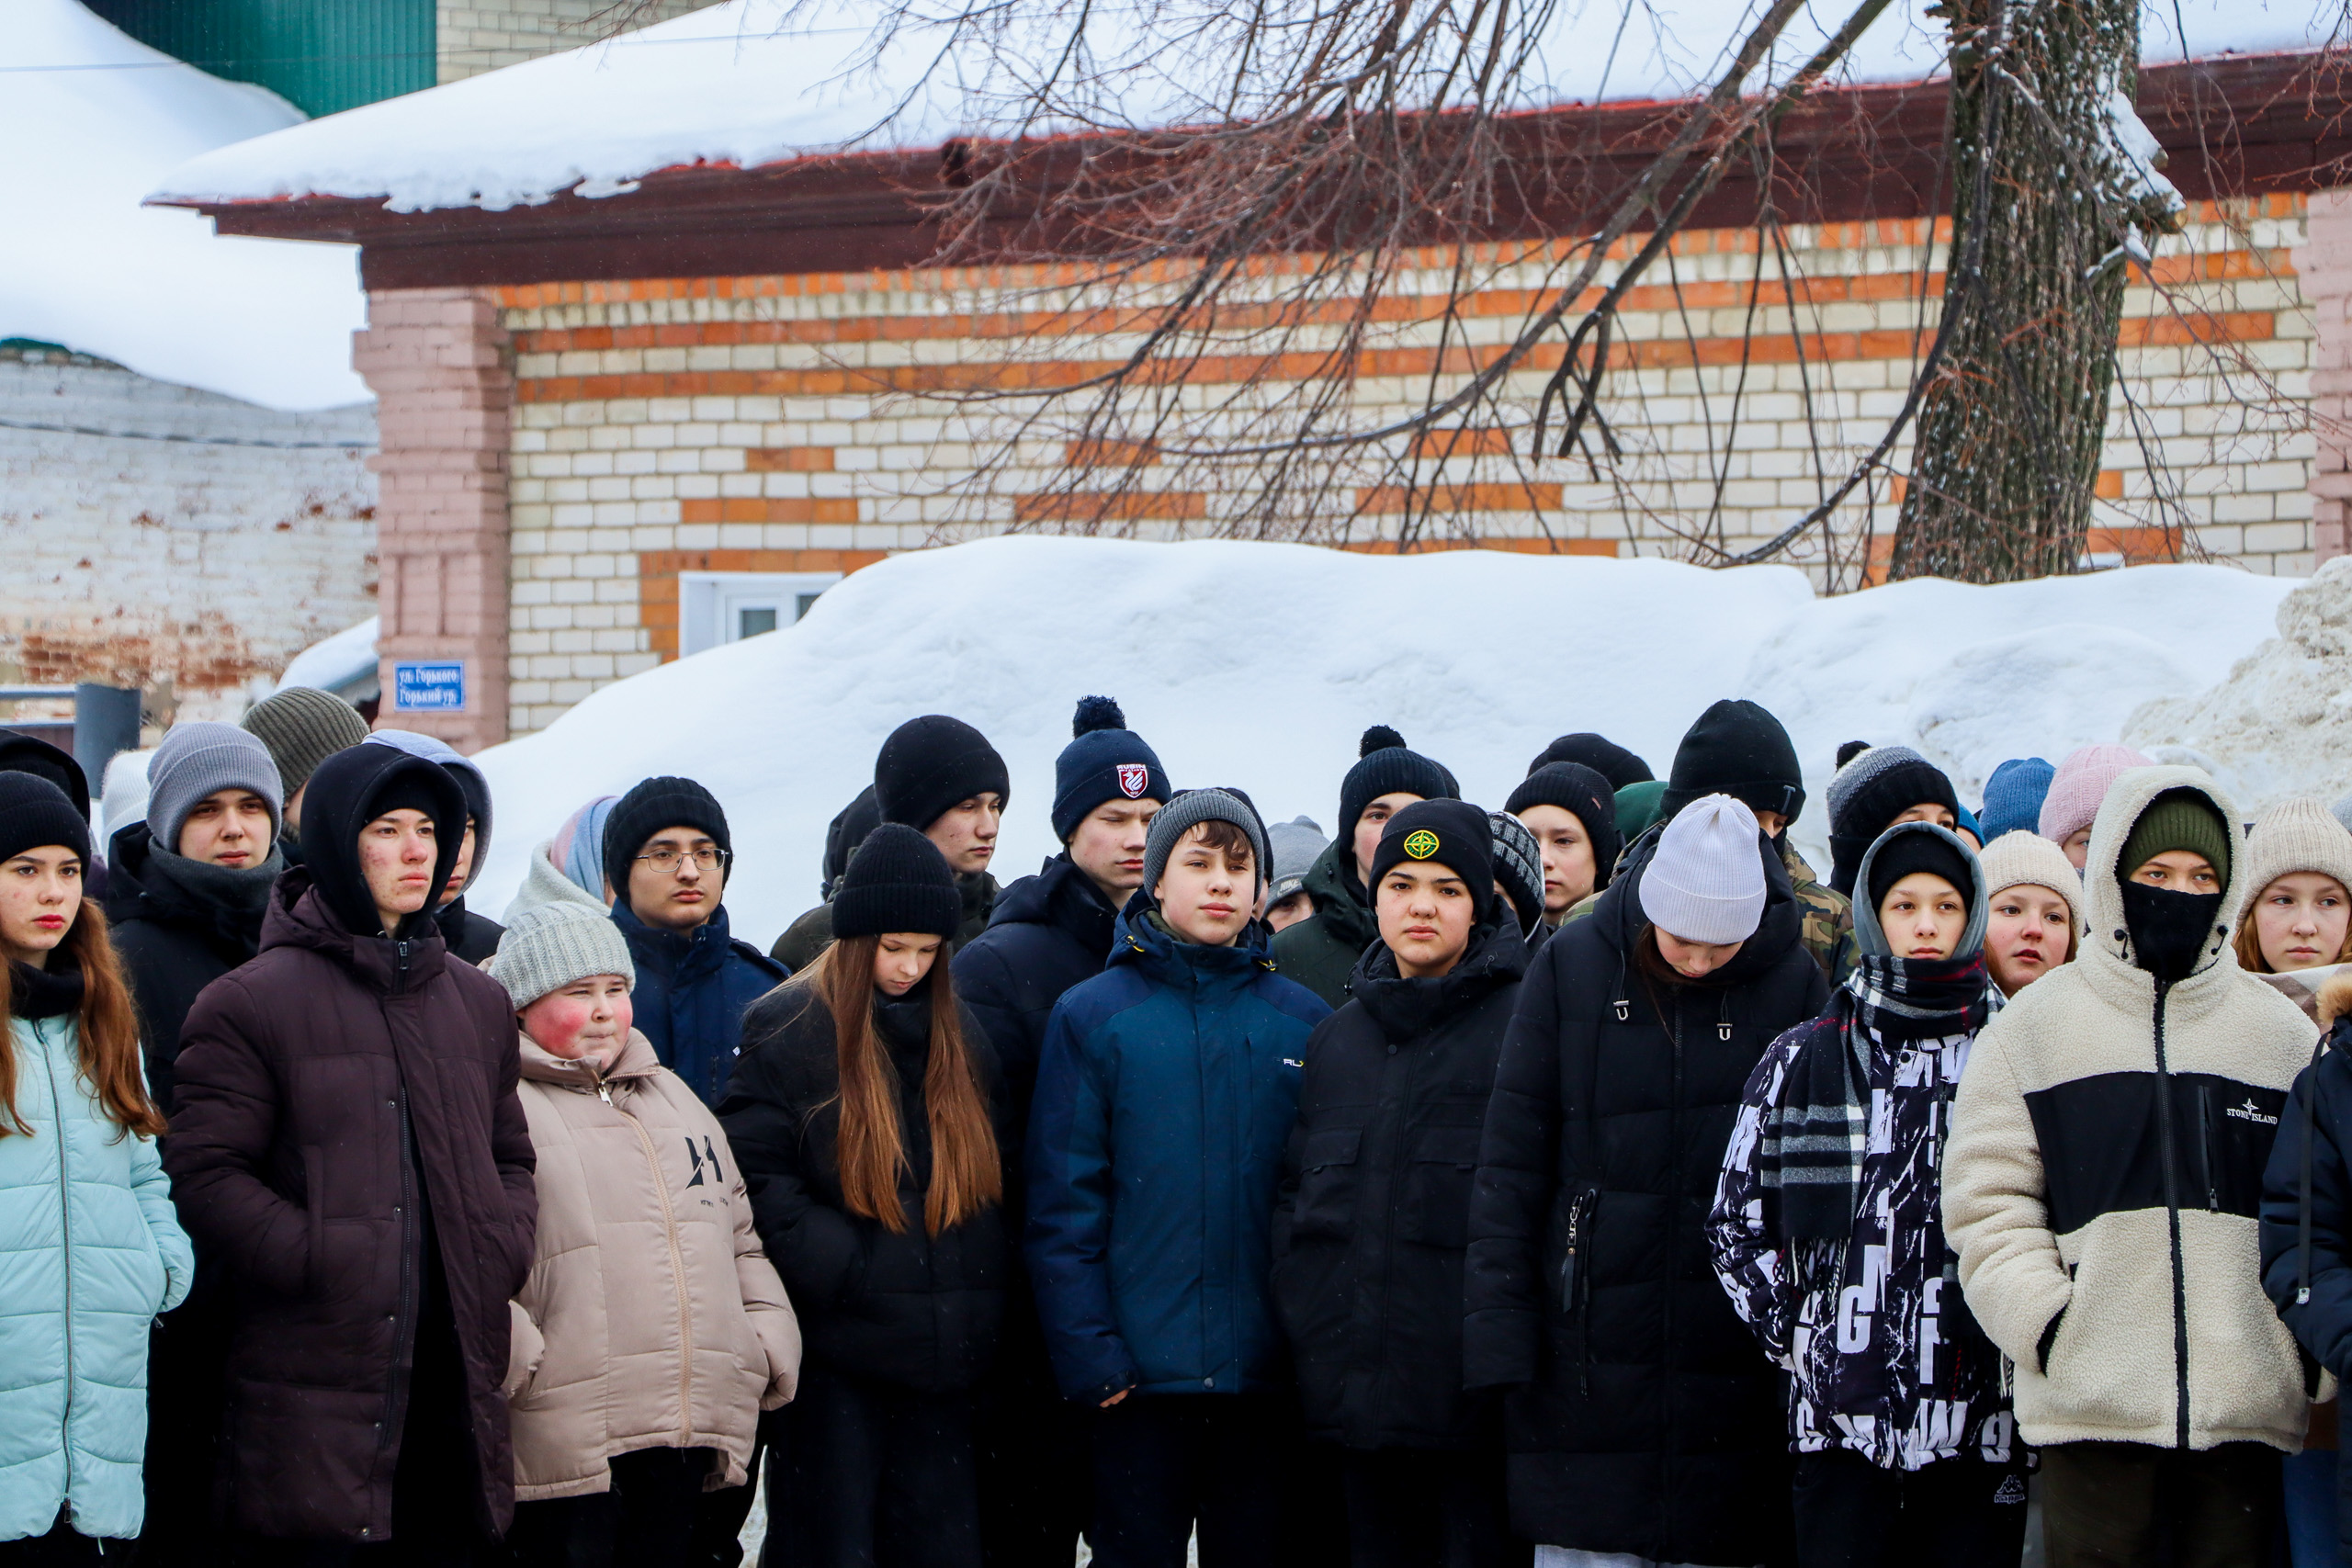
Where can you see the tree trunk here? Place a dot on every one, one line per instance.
(2048, 185)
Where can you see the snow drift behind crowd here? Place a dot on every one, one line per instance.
(1260, 665)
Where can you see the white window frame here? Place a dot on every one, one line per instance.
(710, 603)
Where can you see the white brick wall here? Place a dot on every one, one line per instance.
(607, 472)
(482, 35)
(194, 566)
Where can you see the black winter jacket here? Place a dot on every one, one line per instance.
(1643, 1420)
(1376, 1210)
(1321, 951)
(1046, 933)
(471, 936)
(904, 1308)
(174, 939)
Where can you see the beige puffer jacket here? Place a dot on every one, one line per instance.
(2104, 1171)
(651, 1318)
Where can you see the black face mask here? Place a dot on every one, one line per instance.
(2170, 932)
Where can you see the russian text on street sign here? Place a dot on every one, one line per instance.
(429, 686)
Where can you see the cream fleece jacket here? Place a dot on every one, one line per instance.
(2144, 1293)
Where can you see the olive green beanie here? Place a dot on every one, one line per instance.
(2177, 819)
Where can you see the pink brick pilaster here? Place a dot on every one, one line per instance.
(443, 373)
(2324, 265)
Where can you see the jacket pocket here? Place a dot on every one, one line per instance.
(1326, 1203)
(315, 1273)
(1436, 1208)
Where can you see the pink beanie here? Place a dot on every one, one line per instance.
(2080, 785)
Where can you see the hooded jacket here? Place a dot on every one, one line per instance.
(1641, 1419)
(1375, 1208)
(1320, 952)
(902, 1308)
(343, 1100)
(89, 1254)
(2104, 1170)
(1047, 932)
(178, 926)
(1166, 1095)
(693, 990)
(1887, 1361)
(651, 1318)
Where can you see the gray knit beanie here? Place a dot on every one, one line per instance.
(1191, 807)
(303, 727)
(1706, 880)
(1295, 845)
(194, 760)
(547, 946)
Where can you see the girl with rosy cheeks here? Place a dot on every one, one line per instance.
(2035, 914)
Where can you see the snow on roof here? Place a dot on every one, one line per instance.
(91, 119)
(332, 664)
(1207, 647)
(756, 82)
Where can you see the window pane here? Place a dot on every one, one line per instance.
(808, 602)
(751, 622)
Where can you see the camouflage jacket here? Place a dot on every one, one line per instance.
(1828, 918)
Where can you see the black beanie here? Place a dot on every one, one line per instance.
(1386, 767)
(1454, 833)
(1104, 761)
(1739, 750)
(1884, 781)
(35, 813)
(653, 804)
(1904, 853)
(1585, 794)
(848, 830)
(931, 764)
(1599, 753)
(30, 754)
(351, 789)
(898, 881)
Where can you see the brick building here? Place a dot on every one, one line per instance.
(624, 426)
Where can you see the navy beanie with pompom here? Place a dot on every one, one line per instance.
(1104, 761)
(1386, 766)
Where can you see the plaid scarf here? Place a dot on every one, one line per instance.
(1814, 1134)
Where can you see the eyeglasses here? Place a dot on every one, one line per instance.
(666, 861)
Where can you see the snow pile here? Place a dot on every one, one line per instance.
(757, 82)
(346, 658)
(91, 119)
(2281, 723)
(1260, 665)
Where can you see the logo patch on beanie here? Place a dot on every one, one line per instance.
(1134, 778)
(1420, 843)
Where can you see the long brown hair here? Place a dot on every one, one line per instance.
(108, 1032)
(964, 1175)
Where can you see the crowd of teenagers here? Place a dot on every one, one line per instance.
(1585, 1184)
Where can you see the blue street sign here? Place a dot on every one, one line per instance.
(434, 686)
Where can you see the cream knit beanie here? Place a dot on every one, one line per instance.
(1705, 883)
(2297, 834)
(2020, 857)
(547, 946)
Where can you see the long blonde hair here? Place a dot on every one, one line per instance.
(964, 1174)
(108, 1034)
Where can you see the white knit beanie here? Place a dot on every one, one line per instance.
(1705, 883)
(547, 946)
(2297, 834)
(2023, 858)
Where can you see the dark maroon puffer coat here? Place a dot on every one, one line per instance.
(298, 1073)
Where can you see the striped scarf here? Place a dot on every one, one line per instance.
(1814, 1134)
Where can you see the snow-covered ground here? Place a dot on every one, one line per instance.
(1260, 665)
(756, 82)
(90, 119)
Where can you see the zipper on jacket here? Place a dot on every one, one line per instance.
(2205, 1147)
(1575, 1282)
(2168, 1141)
(404, 1322)
(1673, 1229)
(677, 1277)
(66, 1235)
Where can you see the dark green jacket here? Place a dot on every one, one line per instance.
(809, 935)
(1320, 952)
